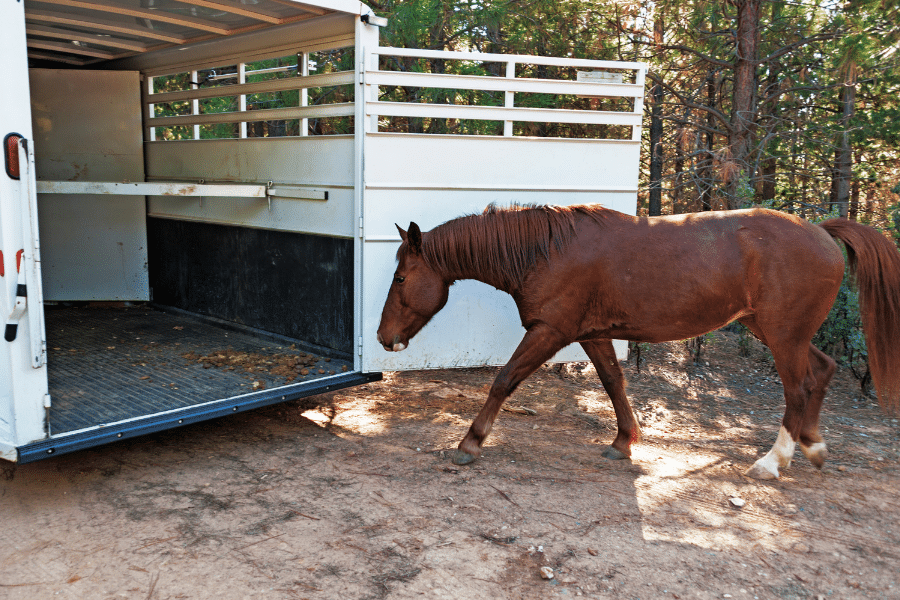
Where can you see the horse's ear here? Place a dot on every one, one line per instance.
(402, 232)
(414, 238)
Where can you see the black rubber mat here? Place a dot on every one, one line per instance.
(108, 364)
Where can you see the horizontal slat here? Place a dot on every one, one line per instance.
(93, 22)
(70, 35)
(501, 113)
(257, 87)
(501, 187)
(142, 13)
(344, 109)
(71, 49)
(502, 84)
(152, 189)
(517, 58)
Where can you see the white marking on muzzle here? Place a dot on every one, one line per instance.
(400, 346)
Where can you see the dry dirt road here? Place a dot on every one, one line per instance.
(352, 496)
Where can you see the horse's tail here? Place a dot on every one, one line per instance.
(875, 262)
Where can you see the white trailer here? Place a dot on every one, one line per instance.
(149, 236)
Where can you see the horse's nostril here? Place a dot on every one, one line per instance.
(380, 341)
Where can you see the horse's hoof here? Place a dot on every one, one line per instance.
(758, 471)
(463, 458)
(817, 453)
(614, 454)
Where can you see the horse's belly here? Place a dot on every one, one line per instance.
(670, 317)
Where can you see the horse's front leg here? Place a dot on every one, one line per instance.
(538, 346)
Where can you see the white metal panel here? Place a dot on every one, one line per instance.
(22, 386)
(315, 162)
(517, 162)
(87, 128)
(443, 177)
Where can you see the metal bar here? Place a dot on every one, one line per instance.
(31, 261)
(148, 109)
(272, 85)
(195, 108)
(501, 187)
(304, 95)
(287, 191)
(509, 96)
(639, 102)
(343, 109)
(152, 189)
(519, 58)
(242, 99)
(503, 84)
(501, 113)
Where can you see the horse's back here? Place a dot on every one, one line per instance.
(681, 275)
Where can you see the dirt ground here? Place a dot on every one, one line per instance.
(352, 495)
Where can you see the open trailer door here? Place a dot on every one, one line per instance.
(23, 372)
(430, 179)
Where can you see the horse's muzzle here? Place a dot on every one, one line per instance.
(396, 346)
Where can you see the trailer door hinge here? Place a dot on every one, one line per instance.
(361, 231)
(360, 346)
(47, 401)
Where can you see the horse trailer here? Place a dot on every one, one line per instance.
(198, 202)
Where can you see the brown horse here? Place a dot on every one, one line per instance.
(587, 274)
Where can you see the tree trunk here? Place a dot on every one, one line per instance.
(706, 158)
(744, 95)
(843, 165)
(656, 133)
(678, 179)
(854, 191)
(768, 164)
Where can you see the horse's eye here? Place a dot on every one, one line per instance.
(399, 279)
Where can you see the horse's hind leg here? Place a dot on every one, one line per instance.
(603, 355)
(821, 370)
(792, 363)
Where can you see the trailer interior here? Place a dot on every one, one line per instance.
(191, 267)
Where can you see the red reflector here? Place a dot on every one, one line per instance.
(11, 154)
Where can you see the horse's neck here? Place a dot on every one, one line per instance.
(469, 266)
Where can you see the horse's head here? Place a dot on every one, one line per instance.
(417, 293)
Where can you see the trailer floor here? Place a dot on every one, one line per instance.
(112, 363)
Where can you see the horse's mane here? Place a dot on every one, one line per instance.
(502, 244)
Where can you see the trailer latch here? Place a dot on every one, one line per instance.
(12, 324)
(370, 19)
